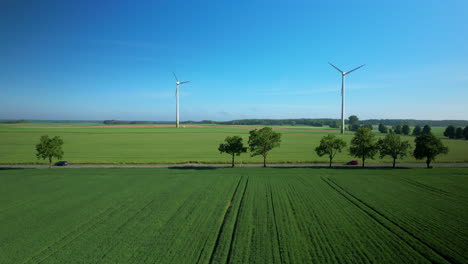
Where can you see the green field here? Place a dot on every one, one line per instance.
(244, 215)
(170, 145)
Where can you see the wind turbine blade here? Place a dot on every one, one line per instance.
(355, 69)
(175, 77)
(184, 82)
(336, 67)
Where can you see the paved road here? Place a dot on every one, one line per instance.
(402, 165)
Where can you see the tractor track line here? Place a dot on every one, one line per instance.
(276, 227)
(128, 220)
(363, 206)
(71, 236)
(234, 230)
(221, 227)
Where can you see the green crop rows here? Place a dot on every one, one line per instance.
(244, 215)
(170, 145)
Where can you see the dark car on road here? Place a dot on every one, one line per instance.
(61, 163)
(352, 162)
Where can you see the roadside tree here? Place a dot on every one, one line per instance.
(450, 132)
(428, 147)
(353, 123)
(49, 148)
(261, 141)
(397, 129)
(459, 133)
(465, 132)
(383, 129)
(405, 129)
(330, 145)
(393, 146)
(417, 131)
(426, 130)
(363, 145)
(232, 146)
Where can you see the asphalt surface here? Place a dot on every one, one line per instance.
(194, 165)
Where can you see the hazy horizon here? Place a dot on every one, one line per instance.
(91, 60)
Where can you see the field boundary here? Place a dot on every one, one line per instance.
(417, 244)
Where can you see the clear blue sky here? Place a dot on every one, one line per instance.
(95, 60)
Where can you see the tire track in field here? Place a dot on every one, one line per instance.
(221, 227)
(414, 242)
(280, 251)
(71, 236)
(423, 186)
(169, 222)
(234, 230)
(122, 226)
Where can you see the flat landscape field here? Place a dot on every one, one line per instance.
(242, 215)
(91, 144)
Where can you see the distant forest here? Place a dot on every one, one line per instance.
(334, 122)
(319, 122)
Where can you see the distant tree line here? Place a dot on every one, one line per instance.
(353, 122)
(284, 122)
(117, 122)
(14, 121)
(414, 122)
(405, 130)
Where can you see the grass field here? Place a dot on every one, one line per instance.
(170, 145)
(244, 215)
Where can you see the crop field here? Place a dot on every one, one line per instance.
(152, 145)
(243, 215)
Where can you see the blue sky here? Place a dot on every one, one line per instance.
(95, 60)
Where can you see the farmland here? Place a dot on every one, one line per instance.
(244, 215)
(153, 145)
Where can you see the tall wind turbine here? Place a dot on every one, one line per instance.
(177, 98)
(343, 74)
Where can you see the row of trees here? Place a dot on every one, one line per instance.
(365, 146)
(337, 122)
(405, 130)
(453, 132)
(261, 141)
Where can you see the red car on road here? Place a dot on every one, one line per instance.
(353, 162)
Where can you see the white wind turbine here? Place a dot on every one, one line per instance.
(177, 98)
(343, 74)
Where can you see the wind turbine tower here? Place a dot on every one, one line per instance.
(177, 98)
(343, 75)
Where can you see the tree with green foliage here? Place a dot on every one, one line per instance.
(232, 146)
(426, 130)
(392, 145)
(397, 129)
(417, 131)
(261, 141)
(383, 129)
(465, 132)
(330, 145)
(406, 130)
(49, 148)
(353, 123)
(363, 145)
(369, 126)
(459, 133)
(450, 132)
(428, 147)
(334, 124)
